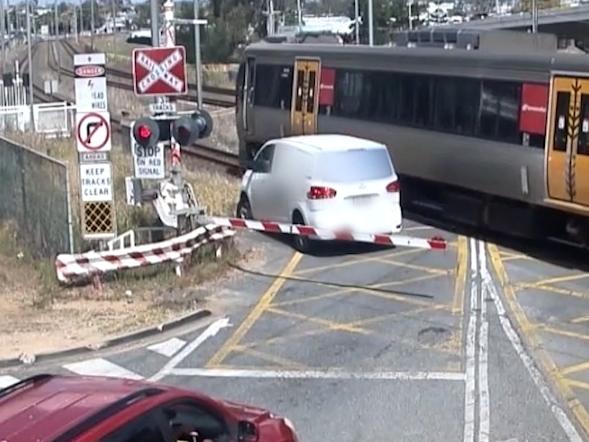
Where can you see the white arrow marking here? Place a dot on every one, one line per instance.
(210, 331)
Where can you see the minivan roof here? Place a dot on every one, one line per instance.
(330, 143)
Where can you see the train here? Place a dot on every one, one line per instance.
(488, 128)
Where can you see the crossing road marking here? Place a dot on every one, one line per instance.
(168, 348)
(7, 381)
(101, 367)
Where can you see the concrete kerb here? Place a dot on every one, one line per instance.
(109, 343)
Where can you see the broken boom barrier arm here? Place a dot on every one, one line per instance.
(85, 265)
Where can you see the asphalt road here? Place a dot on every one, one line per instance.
(385, 344)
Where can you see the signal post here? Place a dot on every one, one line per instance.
(160, 72)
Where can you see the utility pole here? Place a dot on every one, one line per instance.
(370, 24)
(56, 24)
(3, 34)
(534, 17)
(299, 15)
(76, 22)
(357, 24)
(30, 62)
(197, 61)
(155, 36)
(92, 24)
(114, 23)
(410, 3)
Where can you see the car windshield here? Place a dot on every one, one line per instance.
(353, 165)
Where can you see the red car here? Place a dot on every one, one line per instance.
(72, 408)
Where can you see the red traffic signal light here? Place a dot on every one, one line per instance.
(146, 132)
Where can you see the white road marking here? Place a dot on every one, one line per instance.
(7, 381)
(318, 374)
(470, 387)
(209, 332)
(101, 367)
(483, 393)
(168, 348)
(535, 374)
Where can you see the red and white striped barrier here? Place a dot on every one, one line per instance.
(435, 243)
(91, 263)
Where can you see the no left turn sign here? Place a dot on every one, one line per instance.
(93, 132)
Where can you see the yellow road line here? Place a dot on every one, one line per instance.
(353, 261)
(529, 335)
(406, 265)
(580, 319)
(369, 288)
(292, 336)
(551, 289)
(459, 287)
(460, 281)
(577, 384)
(281, 362)
(256, 312)
(575, 368)
(568, 334)
(557, 279)
(331, 325)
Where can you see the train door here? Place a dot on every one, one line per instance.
(567, 150)
(305, 96)
(248, 100)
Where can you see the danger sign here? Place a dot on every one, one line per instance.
(93, 131)
(159, 71)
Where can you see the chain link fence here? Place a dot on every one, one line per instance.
(34, 194)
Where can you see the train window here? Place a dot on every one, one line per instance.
(285, 89)
(499, 111)
(445, 99)
(561, 125)
(348, 90)
(311, 92)
(406, 101)
(467, 105)
(423, 101)
(583, 142)
(273, 86)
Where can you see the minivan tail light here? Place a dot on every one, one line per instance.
(320, 193)
(393, 187)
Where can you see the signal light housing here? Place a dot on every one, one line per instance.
(186, 130)
(146, 132)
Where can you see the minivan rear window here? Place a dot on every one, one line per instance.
(353, 165)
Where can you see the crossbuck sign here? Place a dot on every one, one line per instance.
(159, 71)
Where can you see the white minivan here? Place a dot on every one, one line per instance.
(334, 182)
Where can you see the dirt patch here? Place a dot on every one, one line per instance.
(40, 316)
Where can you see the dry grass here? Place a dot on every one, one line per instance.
(40, 316)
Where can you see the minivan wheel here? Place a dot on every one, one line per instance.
(244, 210)
(301, 243)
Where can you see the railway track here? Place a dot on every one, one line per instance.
(214, 96)
(200, 150)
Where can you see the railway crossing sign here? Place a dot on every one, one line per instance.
(159, 71)
(93, 131)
